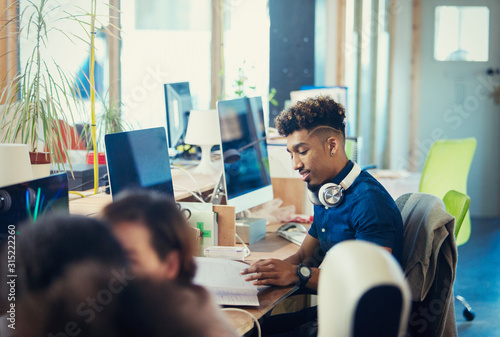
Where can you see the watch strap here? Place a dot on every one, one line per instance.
(303, 279)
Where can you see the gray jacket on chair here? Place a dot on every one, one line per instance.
(429, 263)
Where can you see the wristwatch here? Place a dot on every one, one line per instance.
(304, 272)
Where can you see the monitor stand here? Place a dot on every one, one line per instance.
(218, 192)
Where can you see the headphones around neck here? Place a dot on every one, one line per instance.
(331, 194)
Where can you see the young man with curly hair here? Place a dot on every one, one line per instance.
(349, 202)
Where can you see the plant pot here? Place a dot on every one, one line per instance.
(101, 158)
(15, 165)
(40, 164)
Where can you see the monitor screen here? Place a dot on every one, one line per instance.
(178, 103)
(138, 159)
(30, 199)
(247, 178)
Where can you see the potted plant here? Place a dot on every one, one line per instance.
(40, 100)
(241, 87)
(109, 120)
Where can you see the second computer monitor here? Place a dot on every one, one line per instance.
(244, 148)
(178, 104)
(138, 159)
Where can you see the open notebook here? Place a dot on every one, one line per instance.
(223, 279)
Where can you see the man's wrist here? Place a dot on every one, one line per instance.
(304, 273)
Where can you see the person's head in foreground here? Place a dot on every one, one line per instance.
(154, 233)
(90, 301)
(46, 248)
(315, 133)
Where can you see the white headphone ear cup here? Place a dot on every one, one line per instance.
(330, 194)
(313, 197)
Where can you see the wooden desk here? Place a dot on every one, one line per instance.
(397, 182)
(268, 298)
(90, 205)
(272, 246)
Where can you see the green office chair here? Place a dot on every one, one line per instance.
(447, 168)
(351, 148)
(457, 204)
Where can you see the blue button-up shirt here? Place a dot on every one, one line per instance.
(367, 212)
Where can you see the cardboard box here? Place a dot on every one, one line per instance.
(251, 230)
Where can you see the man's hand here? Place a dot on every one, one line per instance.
(272, 272)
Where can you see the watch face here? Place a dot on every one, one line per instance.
(305, 271)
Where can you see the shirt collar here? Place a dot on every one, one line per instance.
(343, 173)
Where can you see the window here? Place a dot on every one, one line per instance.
(461, 33)
(246, 49)
(163, 41)
(367, 69)
(67, 45)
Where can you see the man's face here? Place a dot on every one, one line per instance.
(311, 157)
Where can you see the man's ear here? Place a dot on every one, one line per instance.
(333, 144)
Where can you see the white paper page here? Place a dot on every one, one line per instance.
(222, 277)
(225, 296)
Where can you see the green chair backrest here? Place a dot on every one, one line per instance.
(351, 148)
(457, 204)
(447, 168)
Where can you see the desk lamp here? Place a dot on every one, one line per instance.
(203, 131)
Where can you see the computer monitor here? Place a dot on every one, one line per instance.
(138, 159)
(178, 104)
(242, 129)
(30, 199)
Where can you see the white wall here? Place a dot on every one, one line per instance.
(400, 86)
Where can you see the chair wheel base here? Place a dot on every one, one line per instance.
(469, 314)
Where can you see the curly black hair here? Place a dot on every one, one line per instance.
(311, 113)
